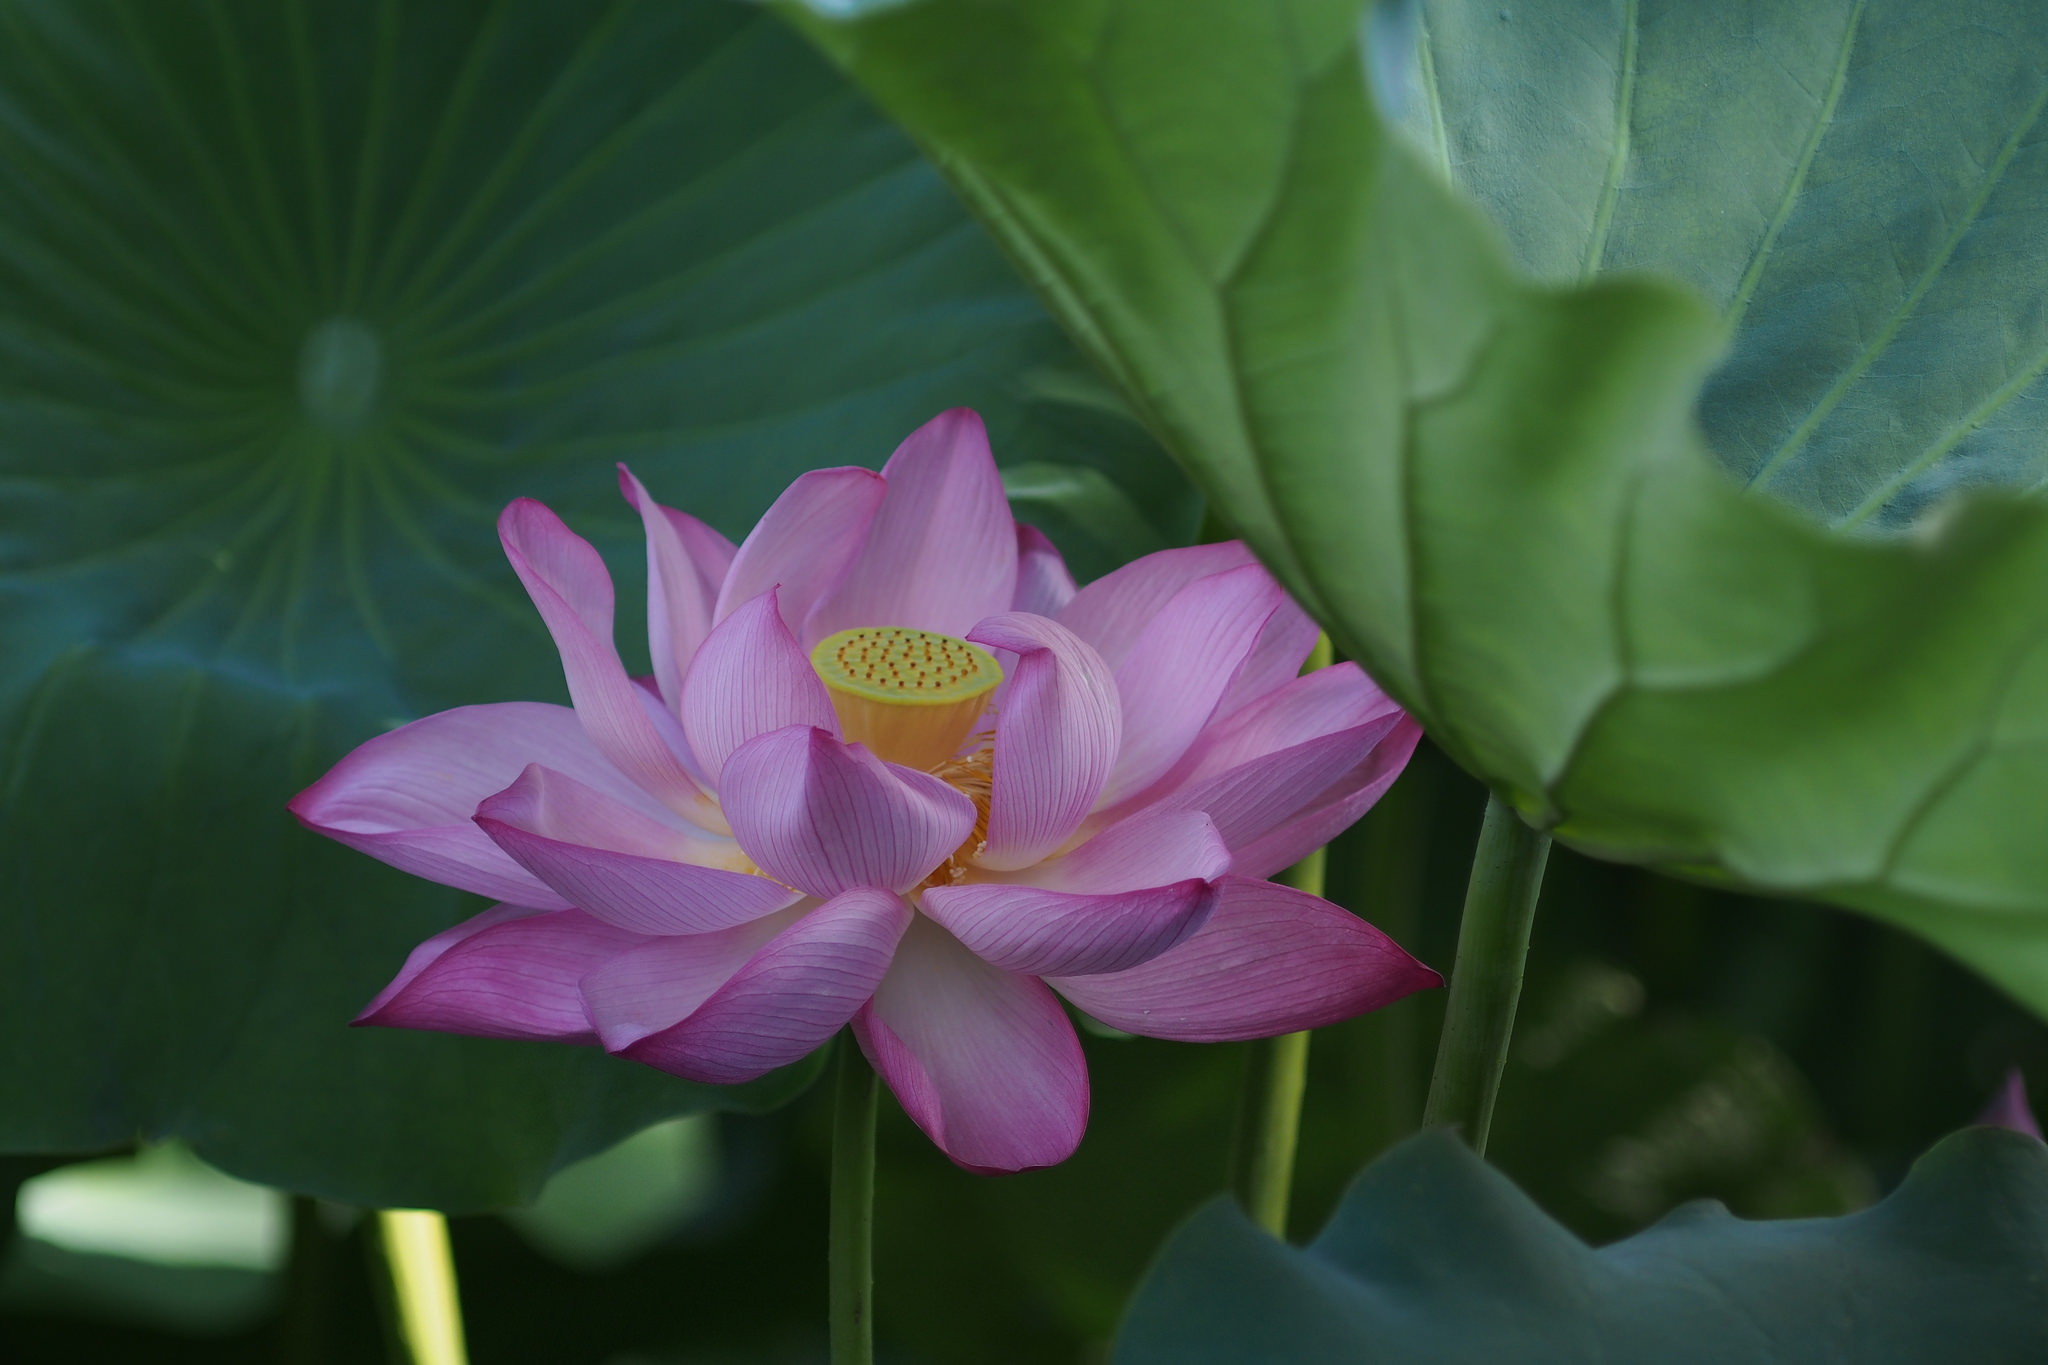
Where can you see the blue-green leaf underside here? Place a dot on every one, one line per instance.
(293, 298)
(1435, 1257)
(1860, 186)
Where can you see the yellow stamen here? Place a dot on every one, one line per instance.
(912, 696)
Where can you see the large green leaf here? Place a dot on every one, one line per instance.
(292, 299)
(1493, 491)
(1861, 186)
(1433, 1256)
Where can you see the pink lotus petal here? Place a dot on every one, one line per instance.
(941, 553)
(1335, 811)
(567, 581)
(1058, 729)
(804, 543)
(983, 1060)
(1044, 587)
(1269, 960)
(1060, 933)
(1284, 644)
(2009, 1109)
(686, 563)
(406, 797)
(749, 678)
(785, 999)
(828, 817)
(1180, 667)
(1147, 848)
(1321, 703)
(1256, 799)
(619, 866)
(510, 972)
(1114, 610)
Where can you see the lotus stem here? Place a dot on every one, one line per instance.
(853, 1209)
(1276, 1075)
(422, 1269)
(1486, 980)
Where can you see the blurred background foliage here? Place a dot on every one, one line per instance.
(1675, 1043)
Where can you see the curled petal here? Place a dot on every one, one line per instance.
(406, 797)
(804, 543)
(1283, 646)
(983, 1060)
(827, 817)
(941, 552)
(510, 972)
(749, 678)
(1114, 610)
(1334, 810)
(1059, 933)
(1044, 587)
(1269, 960)
(1312, 706)
(567, 581)
(703, 1016)
(620, 866)
(1058, 731)
(686, 563)
(1149, 848)
(1180, 667)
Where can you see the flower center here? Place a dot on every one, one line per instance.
(912, 696)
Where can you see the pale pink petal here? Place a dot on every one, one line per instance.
(406, 796)
(1147, 848)
(686, 563)
(983, 1060)
(1321, 703)
(620, 866)
(510, 972)
(1334, 811)
(1269, 960)
(780, 1004)
(1058, 730)
(1059, 933)
(567, 581)
(1270, 793)
(827, 817)
(1111, 612)
(749, 678)
(1044, 587)
(1180, 667)
(941, 552)
(1284, 644)
(804, 543)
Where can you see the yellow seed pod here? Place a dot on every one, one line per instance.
(912, 696)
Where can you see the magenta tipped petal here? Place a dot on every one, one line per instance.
(749, 678)
(803, 544)
(406, 797)
(828, 817)
(623, 868)
(1060, 933)
(508, 973)
(1044, 587)
(983, 1060)
(2009, 1108)
(573, 592)
(1058, 729)
(781, 1003)
(686, 563)
(1180, 667)
(1335, 811)
(941, 552)
(1269, 960)
(1114, 610)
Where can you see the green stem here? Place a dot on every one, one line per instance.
(853, 1209)
(427, 1311)
(1493, 943)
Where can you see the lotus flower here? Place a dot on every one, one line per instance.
(891, 770)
